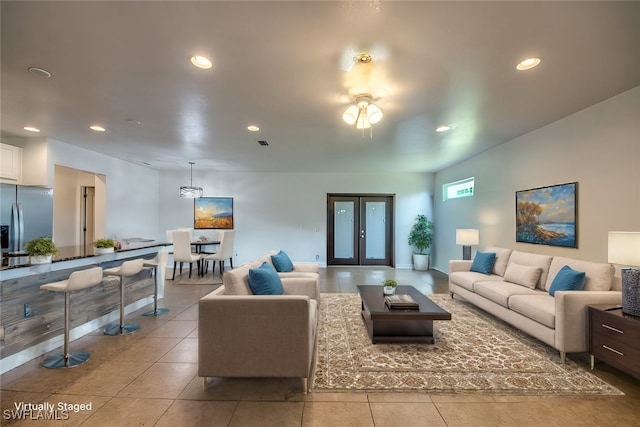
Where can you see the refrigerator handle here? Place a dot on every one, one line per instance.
(15, 228)
(21, 227)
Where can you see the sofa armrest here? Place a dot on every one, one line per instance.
(459, 265)
(307, 286)
(255, 336)
(572, 323)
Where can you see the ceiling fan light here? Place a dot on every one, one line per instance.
(350, 115)
(363, 122)
(374, 114)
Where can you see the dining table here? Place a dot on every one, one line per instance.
(199, 243)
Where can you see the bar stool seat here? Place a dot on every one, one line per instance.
(128, 268)
(77, 280)
(160, 261)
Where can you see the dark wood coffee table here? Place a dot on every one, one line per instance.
(399, 326)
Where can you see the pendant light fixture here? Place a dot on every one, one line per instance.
(190, 191)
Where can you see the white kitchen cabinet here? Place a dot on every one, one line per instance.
(10, 164)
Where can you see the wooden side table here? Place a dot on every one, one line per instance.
(614, 338)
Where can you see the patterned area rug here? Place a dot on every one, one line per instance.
(473, 353)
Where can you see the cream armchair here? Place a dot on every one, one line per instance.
(245, 335)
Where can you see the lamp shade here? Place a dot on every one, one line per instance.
(624, 248)
(374, 113)
(467, 236)
(351, 114)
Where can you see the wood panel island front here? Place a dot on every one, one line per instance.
(32, 320)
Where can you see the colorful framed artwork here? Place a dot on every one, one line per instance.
(213, 212)
(548, 215)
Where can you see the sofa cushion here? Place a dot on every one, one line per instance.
(522, 275)
(236, 281)
(282, 262)
(500, 292)
(567, 279)
(466, 279)
(483, 262)
(502, 259)
(535, 260)
(540, 307)
(598, 275)
(264, 280)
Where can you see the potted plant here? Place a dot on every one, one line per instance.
(389, 286)
(104, 246)
(421, 237)
(40, 250)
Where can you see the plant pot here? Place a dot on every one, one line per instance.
(100, 251)
(40, 259)
(420, 262)
(389, 290)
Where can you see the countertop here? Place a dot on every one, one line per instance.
(68, 253)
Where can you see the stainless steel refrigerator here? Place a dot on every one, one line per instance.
(25, 214)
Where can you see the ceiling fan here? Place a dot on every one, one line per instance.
(363, 84)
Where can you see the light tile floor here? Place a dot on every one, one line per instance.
(150, 378)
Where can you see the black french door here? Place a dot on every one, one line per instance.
(359, 229)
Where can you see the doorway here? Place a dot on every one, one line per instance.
(360, 229)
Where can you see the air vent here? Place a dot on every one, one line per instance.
(263, 143)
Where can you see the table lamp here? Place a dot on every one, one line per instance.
(624, 249)
(467, 237)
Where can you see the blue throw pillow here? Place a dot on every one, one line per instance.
(483, 262)
(264, 280)
(282, 262)
(567, 279)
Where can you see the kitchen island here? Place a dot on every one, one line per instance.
(32, 320)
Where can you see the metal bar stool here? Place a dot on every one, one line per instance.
(77, 280)
(128, 268)
(160, 261)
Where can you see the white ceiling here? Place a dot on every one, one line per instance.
(278, 65)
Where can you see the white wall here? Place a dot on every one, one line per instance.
(288, 210)
(131, 191)
(598, 147)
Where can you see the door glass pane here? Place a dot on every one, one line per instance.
(375, 232)
(343, 229)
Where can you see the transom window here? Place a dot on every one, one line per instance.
(458, 189)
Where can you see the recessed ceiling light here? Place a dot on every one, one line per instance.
(201, 62)
(253, 128)
(31, 129)
(528, 64)
(443, 128)
(39, 71)
(97, 128)
(134, 122)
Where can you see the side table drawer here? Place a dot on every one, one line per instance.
(616, 328)
(617, 353)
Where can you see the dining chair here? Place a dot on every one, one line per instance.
(182, 252)
(169, 234)
(225, 250)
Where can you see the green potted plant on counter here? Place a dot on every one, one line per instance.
(40, 250)
(389, 287)
(104, 246)
(421, 237)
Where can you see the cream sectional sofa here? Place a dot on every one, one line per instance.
(246, 335)
(559, 321)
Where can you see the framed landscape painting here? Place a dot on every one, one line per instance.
(548, 215)
(213, 212)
